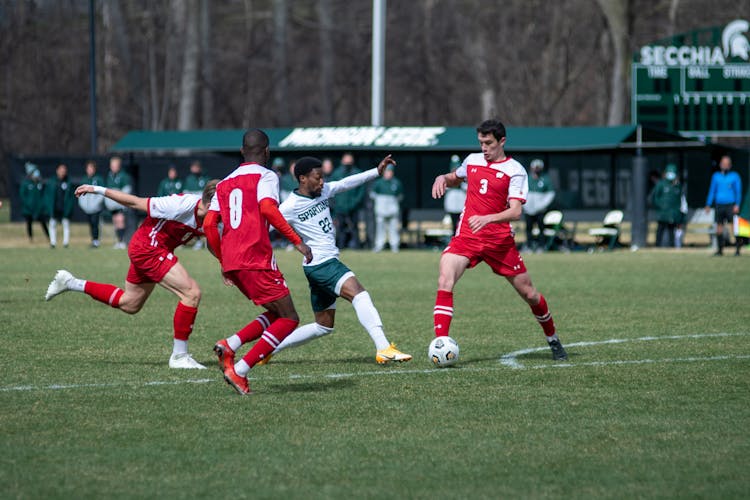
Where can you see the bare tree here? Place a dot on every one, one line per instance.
(280, 78)
(207, 68)
(326, 58)
(617, 15)
(186, 116)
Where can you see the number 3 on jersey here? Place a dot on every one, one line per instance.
(235, 208)
(483, 186)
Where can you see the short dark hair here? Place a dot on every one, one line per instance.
(254, 142)
(494, 127)
(305, 165)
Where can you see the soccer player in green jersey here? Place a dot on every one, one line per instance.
(307, 210)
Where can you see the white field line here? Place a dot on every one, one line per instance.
(511, 359)
(507, 361)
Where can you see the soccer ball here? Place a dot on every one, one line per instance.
(443, 351)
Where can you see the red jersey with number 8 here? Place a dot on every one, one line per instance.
(489, 188)
(244, 239)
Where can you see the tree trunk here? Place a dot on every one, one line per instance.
(189, 81)
(326, 59)
(616, 13)
(280, 81)
(207, 68)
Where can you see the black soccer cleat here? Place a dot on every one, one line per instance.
(558, 351)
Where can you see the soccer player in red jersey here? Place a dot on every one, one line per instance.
(246, 201)
(172, 221)
(497, 187)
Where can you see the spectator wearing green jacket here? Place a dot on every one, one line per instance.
(387, 192)
(666, 199)
(92, 205)
(121, 181)
(195, 181)
(171, 185)
(538, 200)
(32, 203)
(348, 205)
(59, 201)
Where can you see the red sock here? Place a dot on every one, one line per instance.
(184, 318)
(255, 328)
(543, 316)
(104, 292)
(271, 338)
(443, 313)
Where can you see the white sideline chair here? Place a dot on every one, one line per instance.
(610, 229)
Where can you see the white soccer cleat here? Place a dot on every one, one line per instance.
(184, 361)
(59, 284)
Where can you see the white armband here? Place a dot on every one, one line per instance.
(99, 189)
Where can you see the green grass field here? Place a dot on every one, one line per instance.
(89, 409)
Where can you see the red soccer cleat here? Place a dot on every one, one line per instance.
(225, 354)
(239, 383)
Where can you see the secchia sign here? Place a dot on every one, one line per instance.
(734, 45)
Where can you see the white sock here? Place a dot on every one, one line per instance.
(234, 342)
(241, 368)
(552, 337)
(369, 318)
(76, 285)
(303, 335)
(53, 232)
(180, 347)
(66, 231)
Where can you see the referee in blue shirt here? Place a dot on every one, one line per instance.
(725, 193)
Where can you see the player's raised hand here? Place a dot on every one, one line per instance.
(83, 189)
(438, 187)
(304, 250)
(384, 164)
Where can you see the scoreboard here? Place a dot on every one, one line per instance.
(696, 89)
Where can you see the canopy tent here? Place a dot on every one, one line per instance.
(520, 139)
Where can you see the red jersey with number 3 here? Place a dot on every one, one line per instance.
(490, 186)
(172, 221)
(244, 239)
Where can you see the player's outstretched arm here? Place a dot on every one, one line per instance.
(211, 230)
(444, 181)
(126, 199)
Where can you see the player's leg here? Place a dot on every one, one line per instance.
(536, 301)
(323, 302)
(266, 288)
(394, 233)
(452, 267)
(66, 231)
(43, 222)
(130, 300)
(353, 291)
(29, 228)
(379, 233)
(52, 232)
(323, 325)
(118, 221)
(178, 281)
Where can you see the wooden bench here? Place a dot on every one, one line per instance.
(426, 226)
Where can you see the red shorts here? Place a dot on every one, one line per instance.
(501, 255)
(259, 285)
(149, 264)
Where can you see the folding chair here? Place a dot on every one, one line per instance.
(553, 227)
(610, 230)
